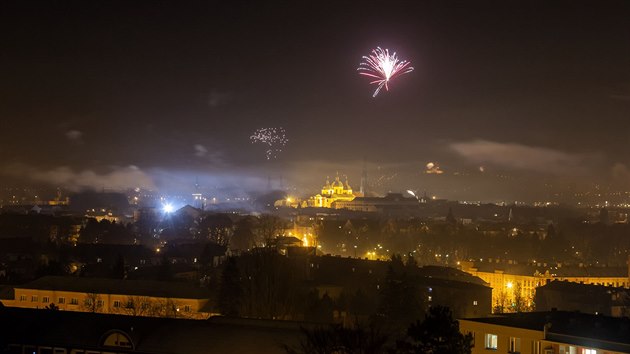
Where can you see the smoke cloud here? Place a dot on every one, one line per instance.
(117, 178)
(523, 157)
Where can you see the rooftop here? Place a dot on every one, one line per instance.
(564, 271)
(179, 290)
(149, 335)
(569, 286)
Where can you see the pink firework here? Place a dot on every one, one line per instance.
(383, 67)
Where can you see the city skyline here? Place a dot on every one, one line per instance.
(149, 94)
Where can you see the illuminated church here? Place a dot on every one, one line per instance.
(332, 192)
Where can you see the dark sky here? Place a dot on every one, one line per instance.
(90, 88)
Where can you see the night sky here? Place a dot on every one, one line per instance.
(158, 93)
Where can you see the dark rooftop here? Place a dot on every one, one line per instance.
(449, 273)
(150, 335)
(179, 290)
(565, 271)
(577, 287)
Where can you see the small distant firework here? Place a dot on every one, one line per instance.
(274, 138)
(433, 168)
(384, 180)
(383, 67)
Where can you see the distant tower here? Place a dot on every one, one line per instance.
(197, 196)
(364, 180)
(450, 218)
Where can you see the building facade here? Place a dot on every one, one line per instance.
(113, 296)
(554, 332)
(514, 286)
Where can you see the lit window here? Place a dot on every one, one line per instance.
(99, 303)
(34, 298)
(515, 345)
(45, 299)
(186, 308)
(116, 303)
(491, 341)
(61, 300)
(74, 301)
(22, 297)
(590, 351)
(475, 303)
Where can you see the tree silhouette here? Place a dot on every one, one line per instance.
(337, 339)
(401, 299)
(230, 291)
(437, 334)
(165, 270)
(119, 270)
(138, 306)
(92, 303)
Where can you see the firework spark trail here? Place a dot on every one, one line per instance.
(383, 66)
(274, 138)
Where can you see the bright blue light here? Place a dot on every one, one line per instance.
(168, 208)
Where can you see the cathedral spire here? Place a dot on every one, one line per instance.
(363, 187)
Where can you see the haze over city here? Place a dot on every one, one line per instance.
(512, 101)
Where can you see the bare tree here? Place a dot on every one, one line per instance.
(500, 304)
(167, 308)
(270, 285)
(92, 303)
(520, 302)
(268, 228)
(138, 306)
(217, 228)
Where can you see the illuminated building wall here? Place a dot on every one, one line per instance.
(504, 283)
(152, 300)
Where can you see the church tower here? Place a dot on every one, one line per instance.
(364, 182)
